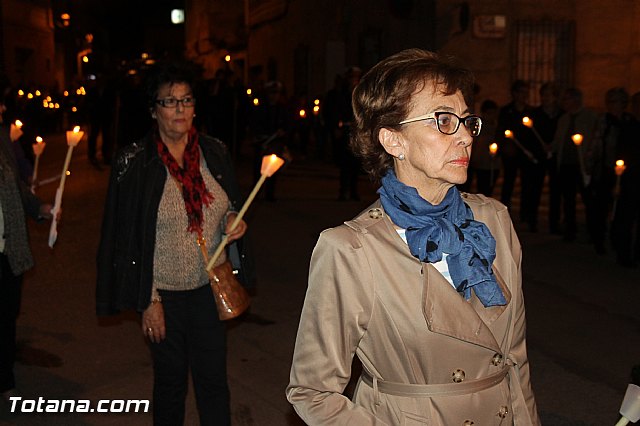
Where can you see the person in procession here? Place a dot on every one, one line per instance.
(424, 287)
(167, 194)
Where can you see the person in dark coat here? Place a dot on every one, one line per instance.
(167, 193)
(523, 154)
(625, 228)
(545, 120)
(16, 201)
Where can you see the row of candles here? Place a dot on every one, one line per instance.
(577, 141)
(270, 164)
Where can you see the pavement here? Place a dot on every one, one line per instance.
(582, 309)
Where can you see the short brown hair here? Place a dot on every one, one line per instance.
(383, 98)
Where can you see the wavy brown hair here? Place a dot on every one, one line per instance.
(383, 98)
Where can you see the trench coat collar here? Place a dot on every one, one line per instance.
(445, 311)
(448, 313)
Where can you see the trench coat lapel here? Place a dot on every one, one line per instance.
(445, 310)
(448, 313)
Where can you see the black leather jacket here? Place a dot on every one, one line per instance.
(125, 253)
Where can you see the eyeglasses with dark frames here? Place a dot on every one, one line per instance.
(173, 102)
(448, 123)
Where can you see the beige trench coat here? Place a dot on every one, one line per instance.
(370, 297)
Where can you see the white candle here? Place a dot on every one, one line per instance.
(509, 134)
(577, 141)
(528, 122)
(15, 130)
(270, 165)
(73, 137)
(38, 147)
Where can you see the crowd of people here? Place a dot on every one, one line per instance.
(407, 122)
(573, 150)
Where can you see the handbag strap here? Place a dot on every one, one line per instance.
(200, 240)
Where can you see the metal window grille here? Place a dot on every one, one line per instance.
(544, 52)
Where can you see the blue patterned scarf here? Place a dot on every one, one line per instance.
(445, 228)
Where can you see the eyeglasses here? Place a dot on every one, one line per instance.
(173, 102)
(448, 123)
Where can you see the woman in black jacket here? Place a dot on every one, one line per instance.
(167, 191)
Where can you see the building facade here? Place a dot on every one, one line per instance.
(28, 54)
(581, 43)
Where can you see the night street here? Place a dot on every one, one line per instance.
(583, 311)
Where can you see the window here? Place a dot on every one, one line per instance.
(544, 51)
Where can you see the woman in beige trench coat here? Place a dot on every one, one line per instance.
(424, 286)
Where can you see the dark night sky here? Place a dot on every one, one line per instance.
(122, 28)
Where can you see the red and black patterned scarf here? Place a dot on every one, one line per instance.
(194, 191)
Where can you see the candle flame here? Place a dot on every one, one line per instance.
(271, 164)
(619, 163)
(18, 123)
(76, 129)
(493, 148)
(508, 133)
(39, 139)
(577, 139)
(527, 122)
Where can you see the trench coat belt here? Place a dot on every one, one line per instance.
(444, 389)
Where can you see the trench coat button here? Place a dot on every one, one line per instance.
(504, 411)
(375, 213)
(458, 376)
(468, 423)
(496, 360)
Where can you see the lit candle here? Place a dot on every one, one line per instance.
(270, 165)
(528, 122)
(493, 149)
(73, 137)
(15, 130)
(38, 147)
(577, 141)
(619, 169)
(509, 134)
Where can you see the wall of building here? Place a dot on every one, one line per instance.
(29, 43)
(336, 34)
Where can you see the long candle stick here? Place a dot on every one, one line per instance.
(49, 180)
(509, 134)
(270, 164)
(528, 122)
(493, 150)
(38, 147)
(73, 137)
(577, 141)
(619, 169)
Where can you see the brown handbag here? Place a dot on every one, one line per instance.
(231, 297)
